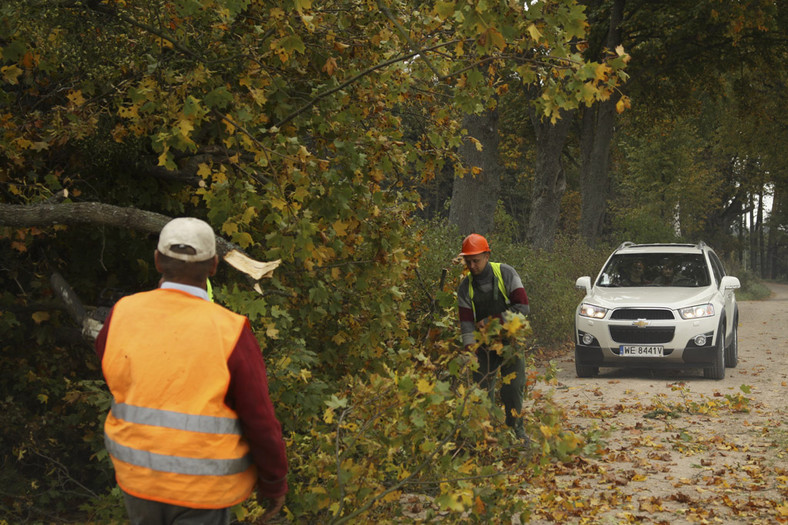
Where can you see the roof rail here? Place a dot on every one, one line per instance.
(702, 244)
(625, 244)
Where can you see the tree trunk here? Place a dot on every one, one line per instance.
(549, 180)
(761, 258)
(597, 126)
(753, 237)
(474, 196)
(776, 265)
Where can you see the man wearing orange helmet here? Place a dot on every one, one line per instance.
(489, 290)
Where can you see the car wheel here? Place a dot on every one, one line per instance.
(585, 370)
(717, 370)
(732, 350)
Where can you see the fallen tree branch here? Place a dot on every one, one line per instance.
(51, 214)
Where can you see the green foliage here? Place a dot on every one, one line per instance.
(666, 188)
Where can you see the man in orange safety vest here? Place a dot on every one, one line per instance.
(192, 430)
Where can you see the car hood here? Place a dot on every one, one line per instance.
(657, 297)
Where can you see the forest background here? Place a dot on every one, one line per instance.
(357, 142)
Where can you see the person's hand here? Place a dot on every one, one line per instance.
(272, 507)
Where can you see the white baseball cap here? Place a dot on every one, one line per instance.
(185, 232)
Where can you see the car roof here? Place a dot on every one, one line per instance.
(632, 248)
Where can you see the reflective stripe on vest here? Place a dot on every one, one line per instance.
(177, 464)
(496, 268)
(176, 420)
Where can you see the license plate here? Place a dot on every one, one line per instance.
(642, 350)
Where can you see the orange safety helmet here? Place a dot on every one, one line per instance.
(474, 244)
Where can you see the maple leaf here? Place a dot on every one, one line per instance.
(330, 66)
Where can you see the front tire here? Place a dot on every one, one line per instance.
(732, 350)
(583, 371)
(717, 370)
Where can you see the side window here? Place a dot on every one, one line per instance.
(716, 266)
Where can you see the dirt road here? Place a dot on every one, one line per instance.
(678, 448)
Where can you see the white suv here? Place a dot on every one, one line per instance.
(658, 306)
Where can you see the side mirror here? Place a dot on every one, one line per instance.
(730, 282)
(583, 283)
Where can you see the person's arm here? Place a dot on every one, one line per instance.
(518, 299)
(467, 320)
(248, 396)
(101, 338)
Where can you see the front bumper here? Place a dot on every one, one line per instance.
(690, 357)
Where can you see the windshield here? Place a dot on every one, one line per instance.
(655, 269)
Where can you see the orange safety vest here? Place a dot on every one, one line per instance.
(169, 433)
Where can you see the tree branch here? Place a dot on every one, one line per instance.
(354, 78)
(43, 215)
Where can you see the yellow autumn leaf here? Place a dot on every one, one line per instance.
(424, 386)
(303, 154)
(513, 324)
(203, 170)
(602, 72)
(11, 74)
(184, 126)
(219, 176)
(229, 228)
(300, 193)
(546, 431)
(75, 97)
(467, 467)
(328, 416)
(40, 317)
(620, 52)
(248, 214)
(623, 104)
(496, 38)
(534, 33)
(392, 496)
(271, 332)
(340, 227)
(278, 203)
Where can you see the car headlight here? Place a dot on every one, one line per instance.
(589, 310)
(696, 312)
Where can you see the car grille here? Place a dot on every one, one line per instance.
(642, 313)
(635, 335)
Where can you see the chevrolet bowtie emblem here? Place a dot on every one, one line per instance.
(640, 323)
